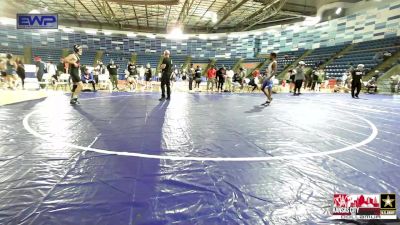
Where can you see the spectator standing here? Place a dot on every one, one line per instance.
(113, 71)
(211, 74)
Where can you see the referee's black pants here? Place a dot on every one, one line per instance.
(165, 81)
(355, 84)
(297, 86)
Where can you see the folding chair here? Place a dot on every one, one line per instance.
(63, 80)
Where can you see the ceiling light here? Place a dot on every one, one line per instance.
(338, 11)
(203, 36)
(151, 36)
(131, 35)
(68, 30)
(243, 35)
(176, 31)
(231, 35)
(213, 37)
(214, 19)
(35, 11)
(107, 32)
(309, 21)
(176, 34)
(182, 37)
(211, 15)
(90, 31)
(7, 21)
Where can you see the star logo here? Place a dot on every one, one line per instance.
(388, 201)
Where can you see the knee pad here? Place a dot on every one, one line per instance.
(74, 87)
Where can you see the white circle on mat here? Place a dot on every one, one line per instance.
(371, 137)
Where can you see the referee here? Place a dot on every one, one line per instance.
(166, 76)
(357, 75)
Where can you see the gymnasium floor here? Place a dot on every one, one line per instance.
(126, 158)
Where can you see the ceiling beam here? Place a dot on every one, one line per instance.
(137, 20)
(202, 16)
(279, 20)
(190, 7)
(138, 17)
(160, 30)
(183, 10)
(219, 11)
(105, 8)
(122, 9)
(303, 6)
(166, 21)
(72, 6)
(267, 23)
(234, 8)
(147, 2)
(147, 16)
(158, 11)
(267, 12)
(128, 28)
(94, 17)
(191, 3)
(252, 15)
(101, 11)
(55, 10)
(289, 13)
(197, 6)
(112, 12)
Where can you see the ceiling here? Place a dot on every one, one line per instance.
(159, 16)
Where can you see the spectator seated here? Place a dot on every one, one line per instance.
(395, 83)
(252, 83)
(371, 84)
(87, 78)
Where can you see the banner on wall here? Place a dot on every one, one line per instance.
(37, 21)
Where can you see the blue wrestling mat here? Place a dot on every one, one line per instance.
(126, 158)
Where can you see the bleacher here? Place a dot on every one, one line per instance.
(362, 53)
(14, 51)
(285, 58)
(227, 63)
(387, 43)
(201, 60)
(256, 61)
(47, 54)
(253, 60)
(321, 55)
(178, 60)
(120, 58)
(88, 58)
(143, 59)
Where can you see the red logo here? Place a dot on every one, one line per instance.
(366, 202)
(341, 200)
(359, 201)
(362, 206)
